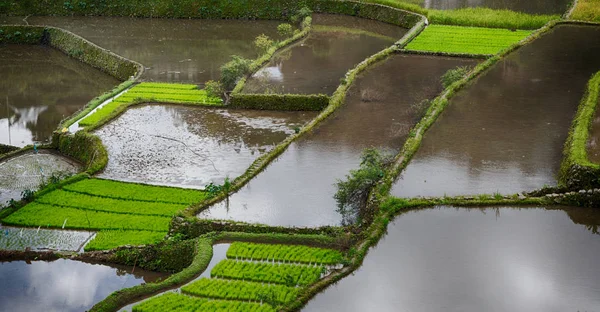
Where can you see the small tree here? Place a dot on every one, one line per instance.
(233, 70)
(301, 14)
(263, 43)
(214, 88)
(285, 30)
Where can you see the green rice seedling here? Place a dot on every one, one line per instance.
(241, 290)
(110, 239)
(287, 274)
(485, 17)
(37, 214)
(287, 253)
(133, 191)
(83, 201)
(468, 40)
(182, 303)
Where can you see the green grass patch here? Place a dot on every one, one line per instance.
(179, 302)
(106, 240)
(485, 17)
(84, 201)
(37, 214)
(240, 290)
(287, 274)
(587, 10)
(287, 253)
(134, 191)
(468, 40)
(151, 92)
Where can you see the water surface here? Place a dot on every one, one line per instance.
(315, 65)
(63, 285)
(505, 132)
(14, 238)
(39, 87)
(297, 189)
(531, 7)
(172, 50)
(463, 260)
(191, 146)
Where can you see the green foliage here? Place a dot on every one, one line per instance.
(454, 75)
(234, 70)
(287, 274)
(166, 256)
(240, 290)
(21, 34)
(5, 149)
(88, 202)
(286, 253)
(109, 239)
(178, 302)
(263, 43)
(587, 10)
(302, 13)
(484, 17)
(470, 40)
(352, 193)
(86, 148)
(214, 88)
(27, 195)
(292, 102)
(285, 30)
(134, 191)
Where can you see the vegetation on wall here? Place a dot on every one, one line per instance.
(586, 10)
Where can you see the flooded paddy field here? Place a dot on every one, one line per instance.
(531, 7)
(191, 146)
(64, 285)
(14, 238)
(315, 65)
(505, 132)
(488, 259)
(172, 50)
(39, 87)
(297, 189)
(29, 170)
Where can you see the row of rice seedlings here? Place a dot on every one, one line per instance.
(110, 239)
(181, 303)
(241, 290)
(289, 253)
(278, 273)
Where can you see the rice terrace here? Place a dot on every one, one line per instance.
(311, 155)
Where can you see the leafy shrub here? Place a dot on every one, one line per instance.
(234, 70)
(454, 75)
(301, 14)
(263, 43)
(285, 30)
(214, 88)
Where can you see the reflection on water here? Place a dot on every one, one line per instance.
(63, 285)
(317, 64)
(191, 146)
(173, 50)
(13, 238)
(530, 6)
(495, 259)
(297, 189)
(40, 86)
(505, 133)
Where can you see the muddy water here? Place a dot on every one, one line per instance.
(450, 259)
(173, 50)
(43, 86)
(531, 7)
(63, 285)
(593, 144)
(297, 189)
(505, 133)
(28, 171)
(316, 65)
(13, 238)
(191, 146)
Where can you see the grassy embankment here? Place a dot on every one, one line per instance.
(587, 10)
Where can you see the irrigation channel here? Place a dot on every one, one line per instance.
(40, 86)
(172, 50)
(531, 7)
(379, 111)
(495, 259)
(506, 132)
(335, 44)
(64, 285)
(191, 147)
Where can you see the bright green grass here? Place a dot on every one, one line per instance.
(133, 191)
(152, 92)
(485, 17)
(83, 201)
(110, 239)
(37, 214)
(174, 302)
(288, 253)
(240, 290)
(470, 40)
(289, 274)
